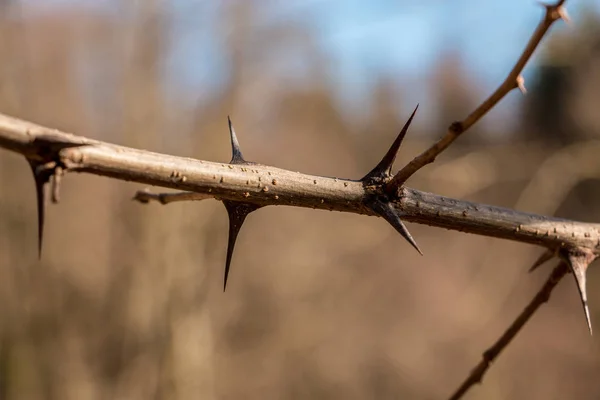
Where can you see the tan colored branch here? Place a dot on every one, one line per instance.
(513, 80)
(265, 185)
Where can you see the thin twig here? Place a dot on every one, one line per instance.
(490, 354)
(513, 80)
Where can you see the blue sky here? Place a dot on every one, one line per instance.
(410, 34)
(400, 38)
(395, 36)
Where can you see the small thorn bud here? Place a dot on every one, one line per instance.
(520, 83)
(562, 13)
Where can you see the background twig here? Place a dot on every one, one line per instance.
(493, 352)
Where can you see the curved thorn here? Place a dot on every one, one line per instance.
(545, 256)
(236, 152)
(41, 178)
(237, 214)
(384, 168)
(387, 212)
(579, 262)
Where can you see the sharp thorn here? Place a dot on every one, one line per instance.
(545, 256)
(387, 212)
(237, 214)
(41, 178)
(579, 274)
(384, 168)
(579, 262)
(236, 152)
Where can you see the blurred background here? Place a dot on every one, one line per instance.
(127, 300)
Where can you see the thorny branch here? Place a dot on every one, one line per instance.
(245, 186)
(265, 185)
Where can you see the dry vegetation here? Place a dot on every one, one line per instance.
(127, 300)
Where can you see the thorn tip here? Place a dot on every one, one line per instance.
(384, 168)
(236, 152)
(578, 262)
(387, 212)
(237, 213)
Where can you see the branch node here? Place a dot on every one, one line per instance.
(143, 196)
(555, 11)
(456, 128)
